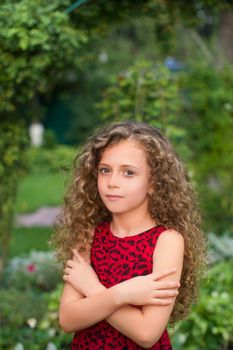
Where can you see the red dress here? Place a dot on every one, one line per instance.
(115, 260)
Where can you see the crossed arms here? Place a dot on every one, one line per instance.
(90, 302)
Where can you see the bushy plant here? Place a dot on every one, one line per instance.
(210, 323)
(17, 307)
(49, 322)
(57, 159)
(29, 304)
(31, 319)
(220, 247)
(13, 141)
(19, 313)
(37, 270)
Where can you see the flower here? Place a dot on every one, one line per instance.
(19, 346)
(31, 267)
(32, 322)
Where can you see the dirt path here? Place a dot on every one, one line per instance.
(44, 216)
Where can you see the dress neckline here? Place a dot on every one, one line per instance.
(132, 236)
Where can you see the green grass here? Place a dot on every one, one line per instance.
(35, 191)
(25, 239)
(38, 190)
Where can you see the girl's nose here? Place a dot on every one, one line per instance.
(113, 181)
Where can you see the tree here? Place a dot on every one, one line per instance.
(41, 46)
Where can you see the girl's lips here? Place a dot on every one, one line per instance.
(112, 197)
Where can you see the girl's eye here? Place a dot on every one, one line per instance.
(103, 170)
(129, 172)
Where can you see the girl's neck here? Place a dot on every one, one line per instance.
(127, 225)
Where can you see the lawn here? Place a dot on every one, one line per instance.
(25, 239)
(35, 191)
(38, 190)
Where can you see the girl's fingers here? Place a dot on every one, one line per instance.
(166, 285)
(67, 270)
(70, 263)
(162, 302)
(165, 293)
(77, 255)
(65, 278)
(156, 276)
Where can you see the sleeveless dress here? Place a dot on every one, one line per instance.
(116, 259)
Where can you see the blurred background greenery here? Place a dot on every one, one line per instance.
(74, 66)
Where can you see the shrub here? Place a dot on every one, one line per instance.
(13, 142)
(210, 323)
(37, 270)
(31, 319)
(29, 303)
(59, 158)
(221, 247)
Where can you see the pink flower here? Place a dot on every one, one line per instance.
(31, 267)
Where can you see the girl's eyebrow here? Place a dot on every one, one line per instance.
(122, 165)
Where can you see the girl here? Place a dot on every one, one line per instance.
(129, 231)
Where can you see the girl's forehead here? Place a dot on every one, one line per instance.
(126, 149)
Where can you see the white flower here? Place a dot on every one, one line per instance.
(53, 315)
(51, 346)
(182, 338)
(51, 332)
(32, 322)
(19, 346)
(228, 106)
(103, 57)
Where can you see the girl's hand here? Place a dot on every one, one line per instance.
(80, 274)
(146, 290)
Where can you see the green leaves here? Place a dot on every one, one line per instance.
(37, 41)
(210, 323)
(146, 91)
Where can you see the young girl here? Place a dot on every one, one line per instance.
(130, 235)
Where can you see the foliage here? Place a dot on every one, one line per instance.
(146, 92)
(210, 323)
(29, 303)
(50, 320)
(13, 142)
(33, 38)
(208, 111)
(26, 318)
(17, 306)
(220, 248)
(38, 33)
(37, 270)
(44, 160)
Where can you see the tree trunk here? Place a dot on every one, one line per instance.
(225, 36)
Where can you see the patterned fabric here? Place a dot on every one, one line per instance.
(116, 259)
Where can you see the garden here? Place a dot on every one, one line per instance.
(167, 65)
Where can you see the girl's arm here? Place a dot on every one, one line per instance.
(149, 323)
(145, 326)
(77, 312)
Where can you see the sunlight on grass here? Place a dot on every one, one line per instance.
(25, 239)
(38, 190)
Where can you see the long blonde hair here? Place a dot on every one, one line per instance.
(172, 204)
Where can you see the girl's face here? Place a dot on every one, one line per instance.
(123, 178)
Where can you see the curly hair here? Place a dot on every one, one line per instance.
(173, 203)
